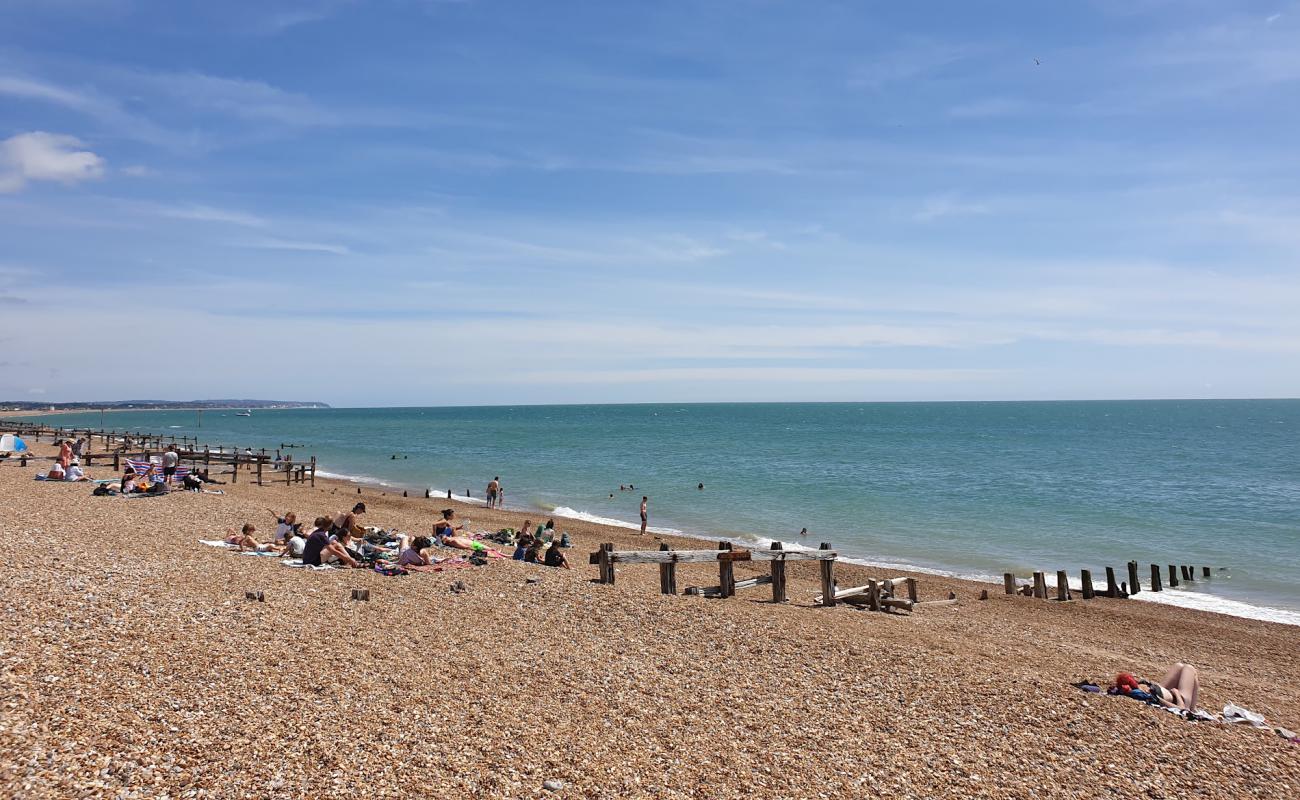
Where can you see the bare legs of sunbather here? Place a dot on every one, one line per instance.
(1183, 683)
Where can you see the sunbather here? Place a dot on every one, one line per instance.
(523, 542)
(1179, 689)
(347, 521)
(75, 473)
(415, 555)
(320, 546)
(285, 526)
(244, 539)
(555, 557)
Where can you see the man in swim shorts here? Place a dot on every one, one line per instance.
(644, 515)
(493, 490)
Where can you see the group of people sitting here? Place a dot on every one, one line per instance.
(341, 540)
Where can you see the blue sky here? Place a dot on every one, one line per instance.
(405, 202)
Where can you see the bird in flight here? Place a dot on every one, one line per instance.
(1037, 63)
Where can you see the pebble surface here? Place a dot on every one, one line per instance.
(133, 666)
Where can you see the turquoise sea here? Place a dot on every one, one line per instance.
(971, 489)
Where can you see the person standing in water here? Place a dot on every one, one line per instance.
(493, 487)
(644, 514)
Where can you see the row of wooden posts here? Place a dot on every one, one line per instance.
(1114, 587)
(186, 447)
(883, 595)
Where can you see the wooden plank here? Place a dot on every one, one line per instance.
(726, 572)
(897, 602)
(710, 556)
(728, 554)
(667, 575)
(828, 577)
(778, 576)
(750, 583)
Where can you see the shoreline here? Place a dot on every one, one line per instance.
(1179, 598)
(1174, 598)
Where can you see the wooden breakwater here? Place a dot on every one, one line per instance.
(876, 595)
(119, 446)
(1115, 587)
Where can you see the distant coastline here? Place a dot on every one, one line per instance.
(26, 408)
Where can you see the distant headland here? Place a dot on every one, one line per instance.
(153, 405)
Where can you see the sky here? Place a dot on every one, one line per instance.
(412, 202)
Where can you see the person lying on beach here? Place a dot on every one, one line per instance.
(414, 555)
(244, 539)
(203, 475)
(444, 532)
(321, 548)
(1179, 689)
(128, 484)
(555, 557)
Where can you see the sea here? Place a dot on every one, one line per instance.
(969, 489)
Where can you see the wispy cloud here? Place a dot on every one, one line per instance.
(201, 213)
(295, 246)
(948, 205)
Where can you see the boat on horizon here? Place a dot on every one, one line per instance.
(245, 413)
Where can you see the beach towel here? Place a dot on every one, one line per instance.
(1243, 716)
(217, 543)
(296, 563)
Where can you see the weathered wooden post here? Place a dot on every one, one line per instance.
(778, 576)
(1173, 577)
(1133, 586)
(1191, 573)
(1112, 588)
(873, 595)
(828, 578)
(313, 470)
(606, 563)
(259, 472)
(1155, 577)
(1040, 585)
(911, 590)
(1009, 582)
(117, 460)
(667, 573)
(726, 572)
(1062, 585)
(234, 476)
(1085, 580)
(1205, 572)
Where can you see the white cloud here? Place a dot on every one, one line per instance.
(40, 156)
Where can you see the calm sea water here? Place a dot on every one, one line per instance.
(971, 489)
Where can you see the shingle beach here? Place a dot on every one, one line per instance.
(133, 666)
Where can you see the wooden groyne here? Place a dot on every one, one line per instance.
(881, 595)
(1115, 588)
(122, 445)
